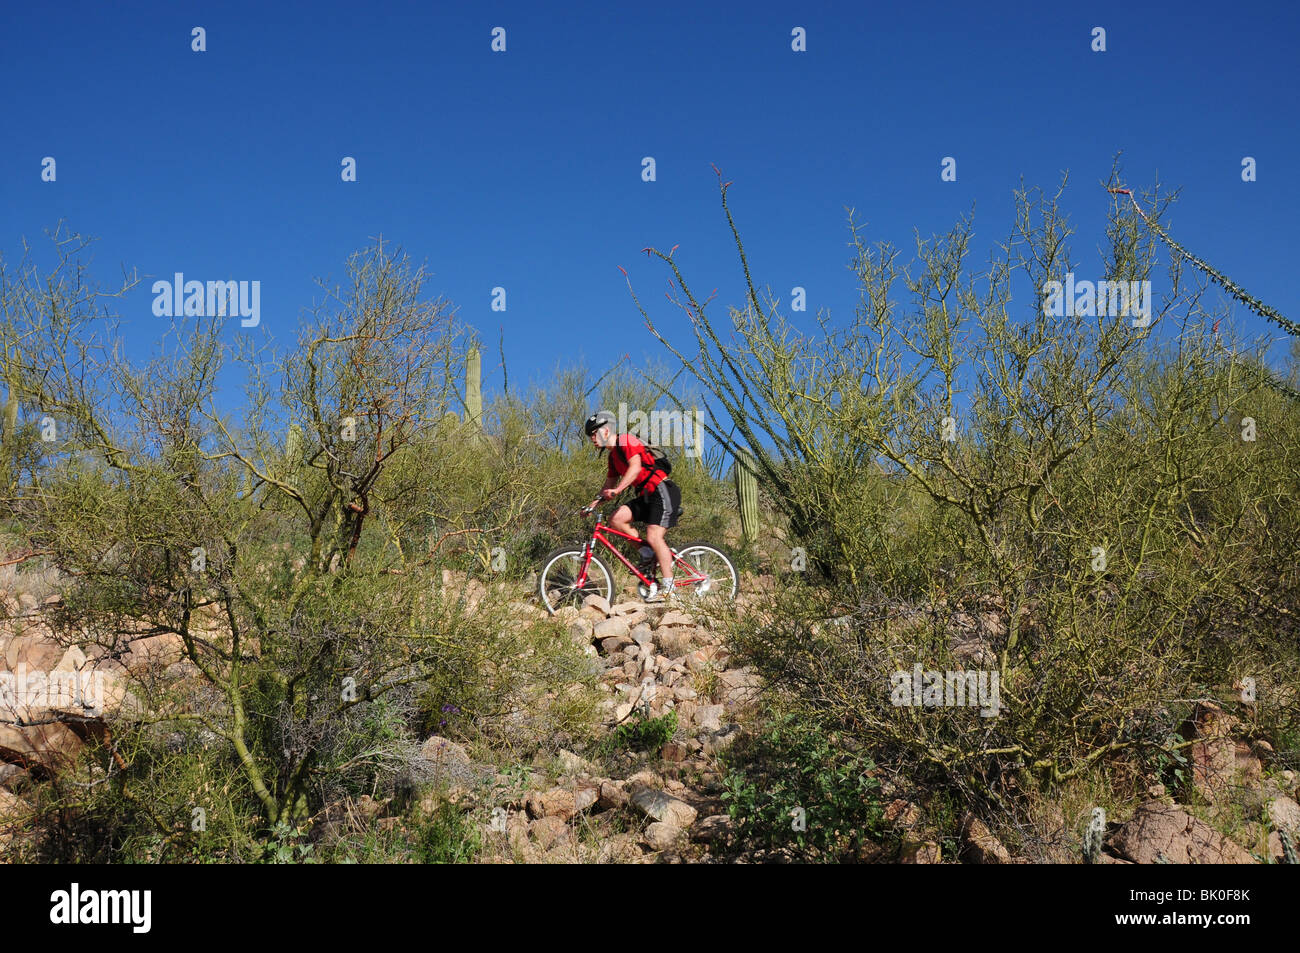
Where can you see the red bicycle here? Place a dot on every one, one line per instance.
(570, 574)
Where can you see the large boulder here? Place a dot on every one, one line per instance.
(1165, 833)
(46, 749)
(60, 697)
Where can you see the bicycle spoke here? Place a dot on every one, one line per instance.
(706, 574)
(559, 585)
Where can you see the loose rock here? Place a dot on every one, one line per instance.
(664, 807)
(662, 836)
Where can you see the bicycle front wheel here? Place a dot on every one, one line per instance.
(558, 580)
(705, 574)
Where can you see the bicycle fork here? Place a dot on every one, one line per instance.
(581, 582)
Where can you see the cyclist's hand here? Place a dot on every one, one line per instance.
(607, 494)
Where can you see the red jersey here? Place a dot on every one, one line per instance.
(627, 447)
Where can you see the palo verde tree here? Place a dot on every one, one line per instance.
(232, 563)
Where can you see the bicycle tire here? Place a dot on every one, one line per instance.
(600, 580)
(724, 583)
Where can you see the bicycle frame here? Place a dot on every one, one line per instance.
(598, 536)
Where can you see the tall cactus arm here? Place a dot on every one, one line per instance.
(474, 387)
(747, 495)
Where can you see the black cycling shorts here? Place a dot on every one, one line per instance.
(661, 507)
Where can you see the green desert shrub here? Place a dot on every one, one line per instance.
(796, 785)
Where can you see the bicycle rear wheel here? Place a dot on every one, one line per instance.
(705, 574)
(557, 582)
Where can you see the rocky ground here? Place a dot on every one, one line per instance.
(652, 806)
(664, 805)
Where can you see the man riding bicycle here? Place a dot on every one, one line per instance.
(658, 501)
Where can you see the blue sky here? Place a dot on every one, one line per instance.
(522, 169)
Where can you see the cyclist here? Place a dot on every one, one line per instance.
(658, 502)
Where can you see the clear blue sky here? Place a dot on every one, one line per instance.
(523, 169)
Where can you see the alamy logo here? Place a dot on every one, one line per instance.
(662, 428)
(36, 690)
(103, 906)
(1117, 299)
(959, 689)
(215, 299)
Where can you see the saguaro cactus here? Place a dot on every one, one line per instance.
(1288, 848)
(8, 447)
(11, 416)
(474, 388)
(293, 450)
(747, 495)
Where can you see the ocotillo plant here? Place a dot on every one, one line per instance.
(1234, 289)
(474, 389)
(747, 495)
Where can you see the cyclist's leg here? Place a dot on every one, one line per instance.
(659, 518)
(654, 537)
(622, 521)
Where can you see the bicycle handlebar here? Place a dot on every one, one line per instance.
(613, 500)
